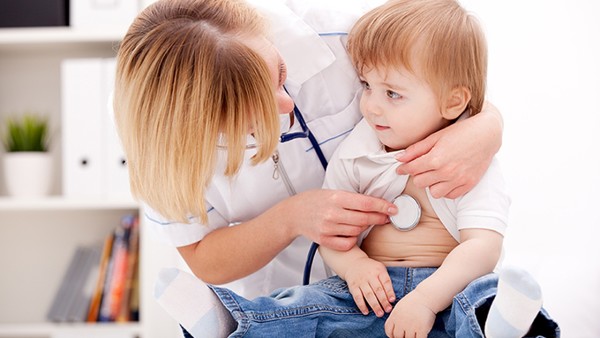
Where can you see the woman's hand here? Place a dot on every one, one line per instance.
(334, 218)
(452, 161)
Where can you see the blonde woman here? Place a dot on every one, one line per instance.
(200, 104)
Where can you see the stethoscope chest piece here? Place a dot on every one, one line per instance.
(409, 213)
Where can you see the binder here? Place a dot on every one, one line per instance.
(83, 110)
(117, 176)
(94, 163)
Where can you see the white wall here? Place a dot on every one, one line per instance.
(544, 76)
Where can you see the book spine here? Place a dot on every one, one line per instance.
(84, 286)
(96, 299)
(115, 280)
(124, 312)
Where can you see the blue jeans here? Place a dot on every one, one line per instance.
(326, 309)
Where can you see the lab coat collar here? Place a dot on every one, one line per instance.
(296, 41)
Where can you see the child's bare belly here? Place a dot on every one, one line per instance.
(427, 245)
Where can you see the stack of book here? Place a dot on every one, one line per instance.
(101, 282)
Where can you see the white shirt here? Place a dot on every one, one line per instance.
(362, 165)
(311, 38)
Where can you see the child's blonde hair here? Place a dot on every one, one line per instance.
(448, 42)
(186, 84)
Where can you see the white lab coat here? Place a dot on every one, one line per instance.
(311, 38)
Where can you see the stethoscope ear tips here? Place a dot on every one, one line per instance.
(409, 213)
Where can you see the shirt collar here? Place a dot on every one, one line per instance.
(363, 142)
(296, 41)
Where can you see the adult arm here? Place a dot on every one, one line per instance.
(452, 161)
(329, 217)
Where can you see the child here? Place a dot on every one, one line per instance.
(430, 270)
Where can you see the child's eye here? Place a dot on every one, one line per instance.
(365, 85)
(393, 95)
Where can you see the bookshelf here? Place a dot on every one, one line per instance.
(38, 236)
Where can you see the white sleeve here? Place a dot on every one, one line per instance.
(487, 204)
(181, 234)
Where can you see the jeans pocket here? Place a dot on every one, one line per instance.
(334, 284)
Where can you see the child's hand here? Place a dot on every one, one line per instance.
(368, 280)
(410, 318)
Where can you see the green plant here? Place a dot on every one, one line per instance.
(28, 132)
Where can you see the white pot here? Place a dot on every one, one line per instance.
(28, 174)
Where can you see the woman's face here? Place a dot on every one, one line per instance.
(277, 70)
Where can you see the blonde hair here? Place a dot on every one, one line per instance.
(185, 82)
(448, 42)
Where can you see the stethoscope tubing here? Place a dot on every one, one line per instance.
(317, 147)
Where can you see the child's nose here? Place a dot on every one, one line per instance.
(370, 105)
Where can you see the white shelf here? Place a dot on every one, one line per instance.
(53, 35)
(42, 40)
(71, 330)
(61, 203)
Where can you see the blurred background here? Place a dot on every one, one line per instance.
(544, 76)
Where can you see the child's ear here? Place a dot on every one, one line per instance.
(456, 102)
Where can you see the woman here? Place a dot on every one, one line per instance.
(200, 104)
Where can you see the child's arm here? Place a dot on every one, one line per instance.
(368, 279)
(475, 256)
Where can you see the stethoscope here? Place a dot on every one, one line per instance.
(409, 210)
(305, 133)
(409, 213)
(288, 136)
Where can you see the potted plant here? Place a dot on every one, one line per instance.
(27, 162)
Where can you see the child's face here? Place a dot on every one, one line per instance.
(399, 106)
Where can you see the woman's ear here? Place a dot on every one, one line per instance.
(456, 103)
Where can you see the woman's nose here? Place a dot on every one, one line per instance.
(284, 102)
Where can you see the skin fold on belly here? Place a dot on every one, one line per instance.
(427, 245)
